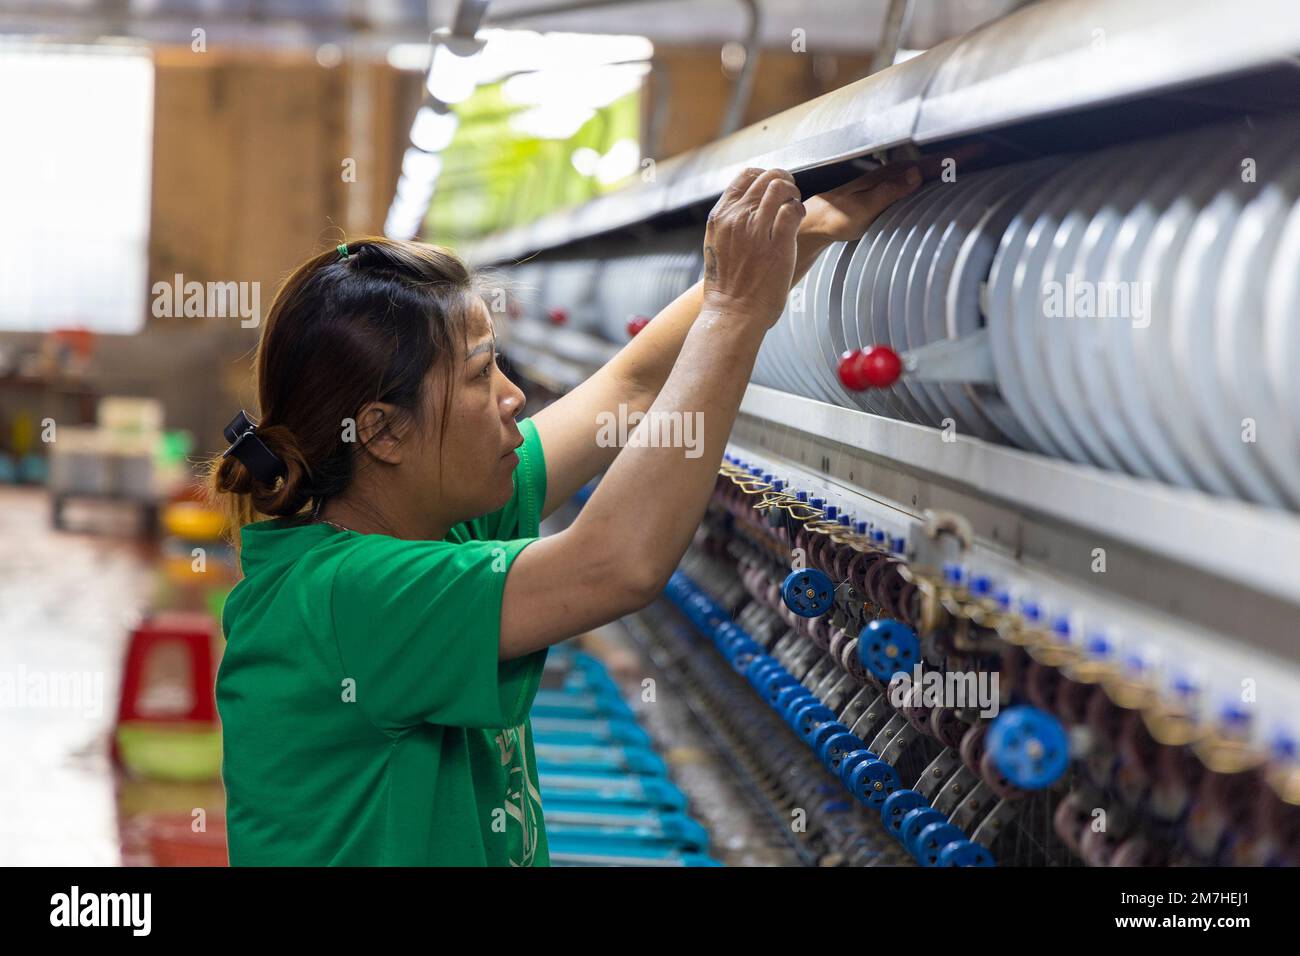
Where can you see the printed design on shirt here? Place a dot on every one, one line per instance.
(523, 804)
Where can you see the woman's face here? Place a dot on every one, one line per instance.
(478, 449)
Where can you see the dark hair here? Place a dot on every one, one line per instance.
(341, 333)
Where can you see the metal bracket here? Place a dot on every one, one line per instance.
(933, 777)
(967, 360)
(964, 796)
(994, 823)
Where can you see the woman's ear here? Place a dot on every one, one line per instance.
(381, 430)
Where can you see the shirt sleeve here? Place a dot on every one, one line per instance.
(418, 626)
(521, 516)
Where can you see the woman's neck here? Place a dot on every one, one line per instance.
(409, 524)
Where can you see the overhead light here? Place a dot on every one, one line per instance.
(585, 160)
(329, 55)
(515, 51)
(421, 166)
(587, 86)
(433, 131)
(621, 161)
(409, 56)
(555, 121)
(453, 75)
(414, 191)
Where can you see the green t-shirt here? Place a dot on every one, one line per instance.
(366, 717)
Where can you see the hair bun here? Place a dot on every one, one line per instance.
(285, 496)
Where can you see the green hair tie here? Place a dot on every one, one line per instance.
(343, 250)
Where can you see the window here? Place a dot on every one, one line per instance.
(75, 171)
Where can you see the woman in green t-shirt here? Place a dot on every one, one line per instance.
(387, 638)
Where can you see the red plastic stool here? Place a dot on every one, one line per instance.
(195, 633)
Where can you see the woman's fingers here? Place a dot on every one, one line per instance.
(779, 192)
(758, 188)
(734, 191)
(785, 226)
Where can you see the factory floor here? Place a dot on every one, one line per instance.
(67, 603)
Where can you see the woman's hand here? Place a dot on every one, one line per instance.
(749, 246)
(844, 213)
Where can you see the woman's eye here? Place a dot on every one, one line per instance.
(487, 369)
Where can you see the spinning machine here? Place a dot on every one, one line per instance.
(1003, 563)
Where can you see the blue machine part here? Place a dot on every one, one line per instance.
(917, 820)
(606, 796)
(849, 761)
(589, 730)
(810, 716)
(836, 747)
(873, 782)
(896, 808)
(887, 646)
(1029, 747)
(808, 592)
(965, 853)
(934, 839)
(652, 792)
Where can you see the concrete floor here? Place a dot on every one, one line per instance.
(67, 603)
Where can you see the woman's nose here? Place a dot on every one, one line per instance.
(512, 401)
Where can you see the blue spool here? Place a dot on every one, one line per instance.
(808, 592)
(934, 839)
(809, 717)
(836, 747)
(793, 704)
(915, 821)
(1029, 747)
(736, 646)
(824, 733)
(787, 695)
(897, 806)
(873, 782)
(886, 646)
(850, 761)
(965, 853)
(775, 681)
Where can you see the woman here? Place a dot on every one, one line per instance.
(387, 639)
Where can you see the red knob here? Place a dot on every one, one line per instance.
(557, 316)
(636, 324)
(876, 367)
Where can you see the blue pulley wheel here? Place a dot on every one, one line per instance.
(873, 782)
(850, 761)
(784, 701)
(915, 821)
(886, 646)
(809, 717)
(786, 707)
(835, 747)
(966, 853)
(1029, 747)
(737, 646)
(897, 806)
(824, 733)
(772, 681)
(808, 592)
(934, 839)
(758, 667)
